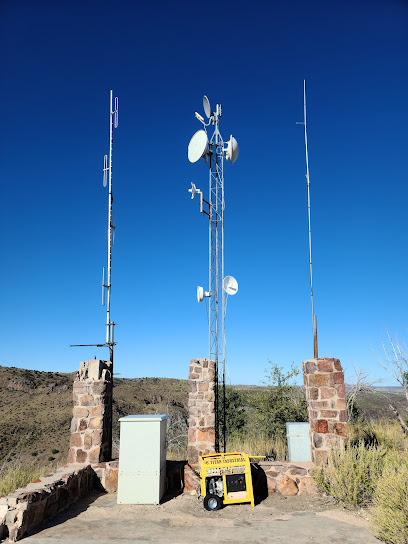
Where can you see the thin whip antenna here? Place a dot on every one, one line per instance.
(315, 348)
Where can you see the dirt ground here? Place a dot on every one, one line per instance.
(182, 519)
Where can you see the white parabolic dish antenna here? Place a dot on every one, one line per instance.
(200, 294)
(198, 146)
(230, 285)
(207, 107)
(232, 149)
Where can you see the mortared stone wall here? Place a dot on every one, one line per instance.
(91, 427)
(326, 401)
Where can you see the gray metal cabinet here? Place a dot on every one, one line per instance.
(142, 459)
(299, 444)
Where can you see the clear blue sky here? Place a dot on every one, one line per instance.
(58, 62)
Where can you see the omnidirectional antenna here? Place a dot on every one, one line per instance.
(314, 318)
(212, 150)
(107, 272)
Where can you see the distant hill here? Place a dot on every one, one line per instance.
(36, 408)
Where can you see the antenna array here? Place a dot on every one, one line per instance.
(107, 276)
(107, 180)
(213, 152)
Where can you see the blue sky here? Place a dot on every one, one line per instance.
(58, 62)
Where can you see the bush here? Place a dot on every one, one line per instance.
(389, 513)
(54, 451)
(352, 473)
(279, 403)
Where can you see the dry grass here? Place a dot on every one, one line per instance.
(275, 448)
(16, 474)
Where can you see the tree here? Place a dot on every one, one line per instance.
(396, 362)
(235, 413)
(360, 384)
(280, 402)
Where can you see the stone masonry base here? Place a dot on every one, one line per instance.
(23, 510)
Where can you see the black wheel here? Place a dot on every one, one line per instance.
(212, 502)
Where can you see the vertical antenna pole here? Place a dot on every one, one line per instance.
(113, 123)
(314, 320)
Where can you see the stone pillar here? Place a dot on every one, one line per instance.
(201, 421)
(326, 404)
(91, 427)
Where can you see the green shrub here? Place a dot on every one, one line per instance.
(278, 403)
(352, 473)
(389, 513)
(54, 451)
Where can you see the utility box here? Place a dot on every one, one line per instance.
(142, 459)
(299, 445)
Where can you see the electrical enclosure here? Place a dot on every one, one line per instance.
(142, 459)
(299, 445)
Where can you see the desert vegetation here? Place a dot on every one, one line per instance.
(370, 473)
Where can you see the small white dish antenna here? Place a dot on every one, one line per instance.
(230, 285)
(193, 190)
(198, 146)
(201, 294)
(207, 107)
(232, 150)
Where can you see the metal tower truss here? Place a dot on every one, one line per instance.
(216, 267)
(214, 152)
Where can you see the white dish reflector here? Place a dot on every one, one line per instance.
(198, 146)
(207, 107)
(200, 294)
(232, 150)
(230, 285)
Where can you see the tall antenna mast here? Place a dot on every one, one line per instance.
(107, 176)
(213, 152)
(107, 180)
(314, 319)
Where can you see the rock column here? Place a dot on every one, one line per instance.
(201, 422)
(326, 402)
(91, 427)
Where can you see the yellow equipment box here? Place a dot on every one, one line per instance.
(226, 479)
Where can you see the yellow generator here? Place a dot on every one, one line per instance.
(225, 479)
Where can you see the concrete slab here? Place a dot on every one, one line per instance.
(183, 520)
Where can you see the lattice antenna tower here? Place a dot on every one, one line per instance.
(213, 152)
(314, 318)
(107, 181)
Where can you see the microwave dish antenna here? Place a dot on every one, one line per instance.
(201, 294)
(198, 146)
(215, 151)
(230, 285)
(207, 107)
(232, 150)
